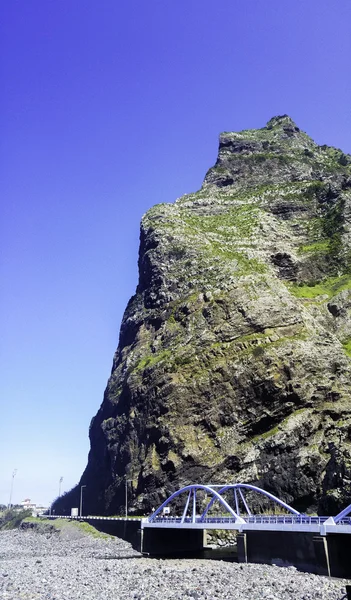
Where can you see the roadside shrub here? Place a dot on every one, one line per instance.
(12, 519)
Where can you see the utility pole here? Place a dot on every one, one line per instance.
(13, 476)
(81, 499)
(60, 481)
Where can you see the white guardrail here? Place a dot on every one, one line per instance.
(302, 523)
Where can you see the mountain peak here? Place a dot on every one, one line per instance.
(283, 121)
(275, 154)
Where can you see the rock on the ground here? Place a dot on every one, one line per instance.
(48, 567)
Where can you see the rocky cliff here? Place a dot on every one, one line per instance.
(233, 362)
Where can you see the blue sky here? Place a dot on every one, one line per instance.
(106, 109)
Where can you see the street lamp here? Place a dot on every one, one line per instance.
(13, 476)
(126, 494)
(60, 481)
(81, 499)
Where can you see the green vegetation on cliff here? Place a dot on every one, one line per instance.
(328, 287)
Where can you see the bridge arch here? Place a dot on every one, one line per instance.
(341, 515)
(191, 489)
(237, 490)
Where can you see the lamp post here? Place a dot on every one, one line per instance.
(60, 481)
(81, 499)
(11, 489)
(126, 494)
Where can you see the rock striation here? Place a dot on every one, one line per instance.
(233, 361)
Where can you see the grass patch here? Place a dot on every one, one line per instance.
(61, 524)
(328, 287)
(320, 247)
(88, 529)
(152, 359)
(266, 434)
(347, 347)
(237, 221)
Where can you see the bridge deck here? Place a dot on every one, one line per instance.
(253, 523)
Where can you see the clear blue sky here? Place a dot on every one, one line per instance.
(106, 109)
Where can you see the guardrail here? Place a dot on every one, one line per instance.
(303, 519)
(85, 517)
(259, 519)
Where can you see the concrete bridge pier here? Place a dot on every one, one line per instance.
(322, 555)
(305, 551)
(163, 542)
(339, 552)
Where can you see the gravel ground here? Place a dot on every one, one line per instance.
(72, 566)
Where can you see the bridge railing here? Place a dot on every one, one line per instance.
(259, 519)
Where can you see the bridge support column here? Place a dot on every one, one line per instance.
(320, 544)
(242, 547)
(283, 548)
(168, 541)
(339, 552)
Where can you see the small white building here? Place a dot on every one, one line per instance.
(27, 504)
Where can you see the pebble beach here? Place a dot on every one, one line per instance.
(69, 565)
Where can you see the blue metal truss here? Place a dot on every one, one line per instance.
(238, 487)
(339, 517)
(238, 496)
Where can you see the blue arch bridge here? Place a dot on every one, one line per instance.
(236, 514)
(280, 535)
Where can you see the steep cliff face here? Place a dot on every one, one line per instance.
(234, 356)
